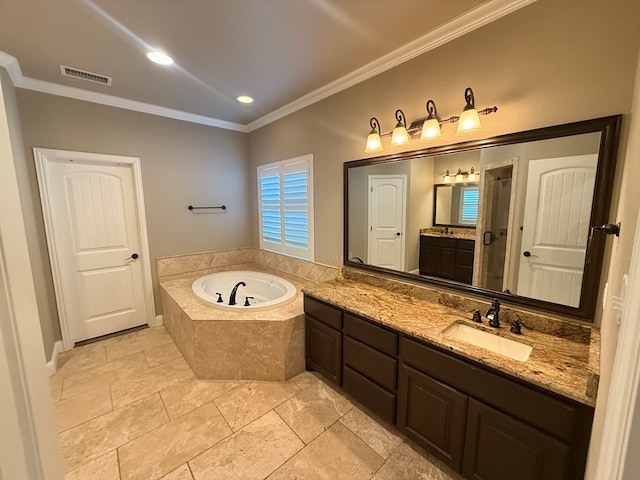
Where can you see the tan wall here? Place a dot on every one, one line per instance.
(546, 64)
(182, 164)
(40, 269)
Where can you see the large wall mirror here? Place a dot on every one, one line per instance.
(507, 217)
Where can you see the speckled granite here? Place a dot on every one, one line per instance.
(466, 233)
(557, 363)
(223, 345)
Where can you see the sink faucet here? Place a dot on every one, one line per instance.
(492, 314)
(232, 298)
(445, 230)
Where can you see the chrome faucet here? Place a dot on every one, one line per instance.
(232, 298)
(492, 314)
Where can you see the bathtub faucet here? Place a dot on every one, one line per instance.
(232, 298)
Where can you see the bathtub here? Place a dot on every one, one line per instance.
(268, 291)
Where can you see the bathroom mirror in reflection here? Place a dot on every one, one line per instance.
(508, 216)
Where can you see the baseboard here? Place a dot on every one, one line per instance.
(159, 321)
(52, 365)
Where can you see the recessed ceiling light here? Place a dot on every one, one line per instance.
(160, 58)
(244, 99)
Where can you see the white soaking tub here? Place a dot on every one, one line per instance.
(261, 290)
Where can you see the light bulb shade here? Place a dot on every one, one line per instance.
(400, 136)
(430, 130)
(469, 122)
(459, 176)
(374, 143)
(446, 178)
(472, 175)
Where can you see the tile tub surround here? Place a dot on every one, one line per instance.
(223, 345)
(558, 363)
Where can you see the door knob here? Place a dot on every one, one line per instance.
(528, 254)
(397, 234)
(133, 256)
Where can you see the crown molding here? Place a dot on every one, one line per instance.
(20, 81)
(459, 26)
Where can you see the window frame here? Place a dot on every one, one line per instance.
(282, 248)
(463, 189)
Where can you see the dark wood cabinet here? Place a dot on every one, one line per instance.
(433, 414)
(444, 257)
(499, 447)
(323, 344)
(480, 422)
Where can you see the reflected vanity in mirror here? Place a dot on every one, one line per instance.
(514, 222)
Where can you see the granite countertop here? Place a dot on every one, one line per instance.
(566, 366)
(465, 233)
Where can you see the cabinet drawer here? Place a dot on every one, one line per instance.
(372, 396)
(369, 362)
(447, 242)
(544, 412)
(465, 244)
(323, 312)
(377, 337)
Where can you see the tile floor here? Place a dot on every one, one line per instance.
(130, 408)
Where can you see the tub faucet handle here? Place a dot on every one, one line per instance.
(246, 301)
(219, 297)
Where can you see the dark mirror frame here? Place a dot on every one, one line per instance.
(609, 128)
(435, 204)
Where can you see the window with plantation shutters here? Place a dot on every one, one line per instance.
(286, 207)
(469, 205)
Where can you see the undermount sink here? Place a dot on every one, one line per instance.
(489, 341)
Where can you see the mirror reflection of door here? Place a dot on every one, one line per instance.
(555, 228)
(495, 229)
(387, 214)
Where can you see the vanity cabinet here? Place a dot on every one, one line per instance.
(323, 339)
(480, 422)
(444, 257)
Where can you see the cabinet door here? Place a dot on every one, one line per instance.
(446, 262)
(433, 414)
(428, 255)
(499, 447)
(323, 350)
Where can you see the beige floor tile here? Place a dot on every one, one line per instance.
(244, 404)
(102, 468)
(81, 358)
(83, 407)
(180, 473)
(189, 394)
(105, 433)
(251, 453)
(149, 381)
(305, 379)
(313, 410)
(371, 432)
(91, 378)
(336, 453)
(162, 354)
(55, 387)
(164, 449)
(137, 342)
(407, 464)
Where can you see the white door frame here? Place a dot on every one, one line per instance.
(43, 157)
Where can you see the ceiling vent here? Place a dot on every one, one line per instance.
(84, 75)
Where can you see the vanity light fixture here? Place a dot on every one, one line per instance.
(431, 126)
(459, 175)
(446, 177)
(400, 136)
(469, 120)
(374, 142)
(472, 175)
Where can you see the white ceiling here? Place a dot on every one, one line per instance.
(284, 53)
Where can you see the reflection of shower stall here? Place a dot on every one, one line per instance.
(494, 234)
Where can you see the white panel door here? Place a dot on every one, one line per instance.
(387, 212)
(556, 228)
(98, 247)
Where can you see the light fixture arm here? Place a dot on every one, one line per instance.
(469, 98)
(402, 122)
(375, 125)
(431, 109)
